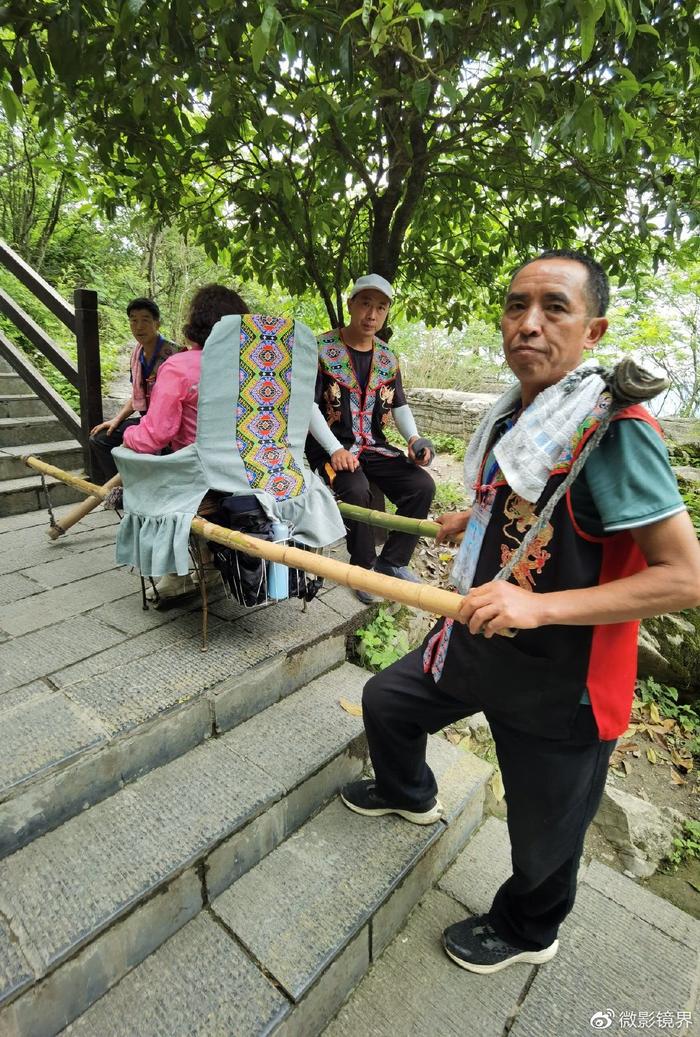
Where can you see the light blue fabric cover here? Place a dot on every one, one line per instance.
(162, 494)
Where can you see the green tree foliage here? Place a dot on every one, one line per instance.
(48, 215)
(469, 359)
(306, 141)
(659, 323)
(662, 327)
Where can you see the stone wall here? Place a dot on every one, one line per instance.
(683, 431)
(448, 411)
(456, 413)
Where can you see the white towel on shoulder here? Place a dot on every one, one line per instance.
(529, 451)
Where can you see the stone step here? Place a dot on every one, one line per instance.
(283, 945)
(415, 989)
(64, 453)
(623, 951)
(15, 431)
(12, 383)
(83, 904)
(16, 405)
(26, 494)
(135, 705)
(22, 534)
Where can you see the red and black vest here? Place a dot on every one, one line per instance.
(535, 681)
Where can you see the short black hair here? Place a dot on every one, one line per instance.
(597, 285)
(209, 304)
(144, 304)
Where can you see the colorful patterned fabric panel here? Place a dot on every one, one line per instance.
(436, 650)
(265, 372)
(334, 360)
(385, 365)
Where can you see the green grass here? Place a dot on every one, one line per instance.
(445, 444)
(449, 496)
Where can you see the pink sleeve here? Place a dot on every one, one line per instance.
(164, 415)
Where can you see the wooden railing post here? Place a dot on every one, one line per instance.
(90, 385)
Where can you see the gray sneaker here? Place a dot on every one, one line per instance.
(400, 572)
(365, 597)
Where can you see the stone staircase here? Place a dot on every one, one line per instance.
(28, 427)
(628, 962)
(175, 858)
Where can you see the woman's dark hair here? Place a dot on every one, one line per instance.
(209, 304)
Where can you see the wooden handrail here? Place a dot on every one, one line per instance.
(40, 288)
(83, 322)
(38, 337)
(87, 340)
(36, 381)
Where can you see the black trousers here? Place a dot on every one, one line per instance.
(102, 446)
(552, 787)
(406, 485)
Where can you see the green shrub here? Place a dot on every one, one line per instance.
(666, 701)
(691, 495)
(686, 846)
(382, 641)
(445, 444)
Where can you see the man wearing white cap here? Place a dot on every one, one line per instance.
(358, 390)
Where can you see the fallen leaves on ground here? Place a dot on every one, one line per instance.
(669, 744)
(496, 786)
(353, 708)
(433, 562)
(683, 762)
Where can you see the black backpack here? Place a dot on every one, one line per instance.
(246, 576)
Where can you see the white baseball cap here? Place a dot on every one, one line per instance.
(374, 281)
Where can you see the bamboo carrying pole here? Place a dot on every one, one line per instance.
(419, 595)
(81, 510)
(398, 523)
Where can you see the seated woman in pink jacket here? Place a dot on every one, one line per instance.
(171, 420)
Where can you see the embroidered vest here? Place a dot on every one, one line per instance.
(357, 416)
